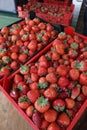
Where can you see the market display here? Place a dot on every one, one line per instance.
(21, 41)
(52, 88)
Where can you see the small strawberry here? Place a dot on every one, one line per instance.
(63, 119)
(70, 103)
(59, 105)
(36, 117)
(75, 92)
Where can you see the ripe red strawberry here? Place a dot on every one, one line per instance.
(63, 82)
(33, 95)
(60, 48)
(54, 126)
(75, 92)
(58, 105)
(18, 78)
(62, 70)
(36, 117)
(70, 103)
(84, 90)
(74, 74)
(51, 78)
(42, 71)
(30, 111)
(63, 119)
(44, 124)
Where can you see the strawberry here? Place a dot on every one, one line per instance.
(84, 90)
(18, 78)
(74, 74)
(44, 124)
(60, 48)
(54, 126)
(63, 82)
(33, 95)
(63, 119)
(62, 70)
(30, 111)
(70, 103)
(42, 71)
(50, 93)
(75, 92)
(36, 117)
(42, 104)
(58, 105)
(51, 77)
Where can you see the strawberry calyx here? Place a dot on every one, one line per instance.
(24, 68)
(24, 98)
(26, 51)
(20, 87)
(2, 50)
(74, 45)
(6, 59)
(79, 65)
(42, 101)
(62, 33)
(25, 35)
(42, 85)
(59, 108)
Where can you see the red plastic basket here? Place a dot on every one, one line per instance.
(55, 19)
(7, 85)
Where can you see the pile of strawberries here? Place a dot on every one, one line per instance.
(52, 90)
(21, 41)
(58, 11)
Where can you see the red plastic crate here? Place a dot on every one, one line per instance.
(50, 12)
(29, 56)
(64, 19)
(6, 86)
